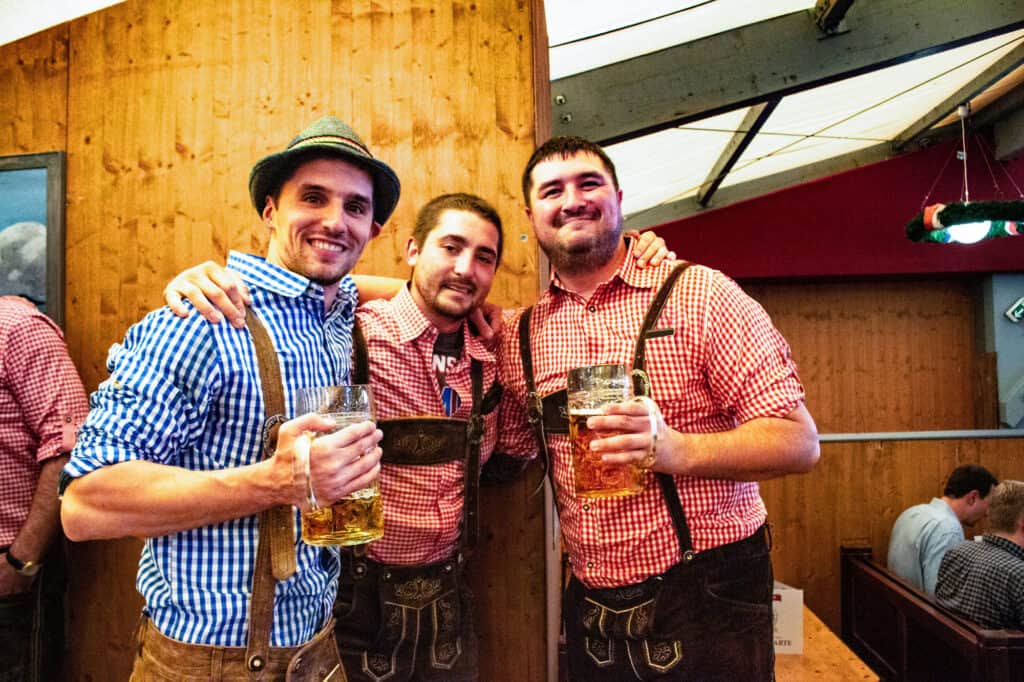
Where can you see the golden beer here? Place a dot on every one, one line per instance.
(595, 478)
(353, 520)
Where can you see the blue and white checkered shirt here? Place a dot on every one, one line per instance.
(186, 393)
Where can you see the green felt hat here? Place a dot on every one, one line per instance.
(333, 137)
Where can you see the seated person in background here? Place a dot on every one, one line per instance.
(984, 581)
(925, 532)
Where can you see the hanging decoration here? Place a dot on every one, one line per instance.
(967, 222)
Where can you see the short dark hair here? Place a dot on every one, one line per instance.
(1006, 507)
(968, 477)
(565, 147)
(429, 216)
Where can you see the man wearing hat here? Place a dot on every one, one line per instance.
(180, 446)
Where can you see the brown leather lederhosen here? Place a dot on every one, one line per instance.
(421, 593)
(318, 659)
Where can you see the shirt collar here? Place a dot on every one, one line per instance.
(257, 271)
(1005, 545)
(412, 324)
(941, 505)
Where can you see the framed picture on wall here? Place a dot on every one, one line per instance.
(32, 230)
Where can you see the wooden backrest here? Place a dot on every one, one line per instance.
(903, 633)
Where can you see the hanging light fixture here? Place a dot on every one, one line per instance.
(967, 222)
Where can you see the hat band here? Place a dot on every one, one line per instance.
(320, 139)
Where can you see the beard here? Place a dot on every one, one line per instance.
(584, 255)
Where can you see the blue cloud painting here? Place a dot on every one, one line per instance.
(23, 233)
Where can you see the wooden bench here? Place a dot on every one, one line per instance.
(903, 634)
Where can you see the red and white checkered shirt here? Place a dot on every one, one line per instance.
(422, 504)
(724, 365)
(41, 403)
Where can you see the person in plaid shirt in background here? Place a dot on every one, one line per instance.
(41, 402)
(984, 581)
(656, 592)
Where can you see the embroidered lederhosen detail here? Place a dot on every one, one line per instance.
(408, 594)
(627, 612)
(403, 601)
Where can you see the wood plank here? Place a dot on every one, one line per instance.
(825, 658)
(163, 107)
(881, 355)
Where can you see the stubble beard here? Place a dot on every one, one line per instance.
(584, 257)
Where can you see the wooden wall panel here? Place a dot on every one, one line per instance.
(883, 355)
(163, 107)
(33, 101)
(854, 495)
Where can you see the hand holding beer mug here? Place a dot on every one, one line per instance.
(589, 390)
(356, 518)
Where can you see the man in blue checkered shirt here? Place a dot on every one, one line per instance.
(984, 581)
(171, 451)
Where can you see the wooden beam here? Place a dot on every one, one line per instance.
(1010, 61)
(764, 60)
(1009, 136)
(737, 144)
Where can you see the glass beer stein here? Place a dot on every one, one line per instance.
(589, 390)
(359, 517)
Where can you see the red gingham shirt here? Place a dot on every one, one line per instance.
(422, 504)
(41, 402)
(725, 364)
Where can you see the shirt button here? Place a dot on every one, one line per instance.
(586, 507)
(590, 564)
(591, 308)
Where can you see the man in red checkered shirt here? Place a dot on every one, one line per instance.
(674, 582)
(41, 402)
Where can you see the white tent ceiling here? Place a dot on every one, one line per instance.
(795, 133)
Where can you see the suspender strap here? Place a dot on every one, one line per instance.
(642, 386)
(275, 553)
(534, 403)
(360, 356)
(471, 487)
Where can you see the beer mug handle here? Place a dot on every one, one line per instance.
(641, 382)
(652, 416)
(303, 448)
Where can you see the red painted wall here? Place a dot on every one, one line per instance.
(853, 223)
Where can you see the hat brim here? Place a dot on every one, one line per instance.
(386, 187)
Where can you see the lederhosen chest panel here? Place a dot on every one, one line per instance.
(423, 440)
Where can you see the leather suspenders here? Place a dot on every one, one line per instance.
(275, 554)
(547, 414)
